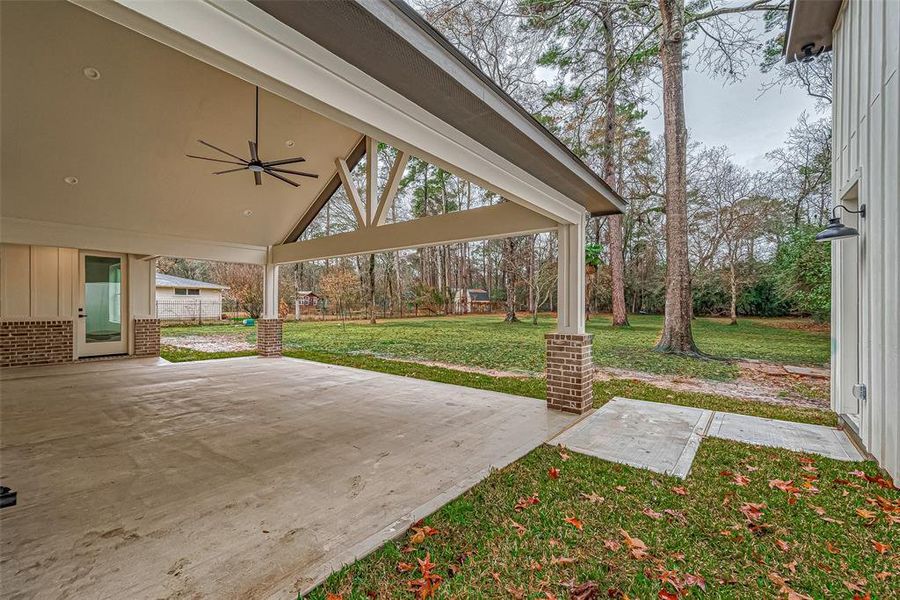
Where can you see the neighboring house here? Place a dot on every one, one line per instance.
(181, 299)
(307, 298)
(306, 302)
(865, 329)
(471, 301)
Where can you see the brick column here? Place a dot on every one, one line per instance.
(268, 337)
(36, 342)
(146, 336)
(570, 371)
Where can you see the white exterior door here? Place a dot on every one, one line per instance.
(102, 322)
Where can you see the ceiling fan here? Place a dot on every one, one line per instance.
(255, 165)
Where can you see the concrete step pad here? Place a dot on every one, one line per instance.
(664, 438)
(659, 437)
(800, 437)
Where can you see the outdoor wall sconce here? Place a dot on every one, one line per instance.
(837, 230)
(809, 53)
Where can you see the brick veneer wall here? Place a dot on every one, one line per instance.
(146, 337)
(36, 342)
(570, 371)
(268, 337)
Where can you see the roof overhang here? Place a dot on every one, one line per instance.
(810, 22)
(393, 44)
(127, 133)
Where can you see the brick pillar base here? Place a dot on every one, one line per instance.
(36, 342)
(146, 337)
(268, 337)
(570, 371)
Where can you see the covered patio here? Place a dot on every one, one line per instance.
(244, 478)
(238, 478)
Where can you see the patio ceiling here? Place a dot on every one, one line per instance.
(171, 73)
(124, 136)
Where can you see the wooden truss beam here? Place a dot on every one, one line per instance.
(501, 220)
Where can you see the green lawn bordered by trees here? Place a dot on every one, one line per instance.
(748, 522)
(487, 342)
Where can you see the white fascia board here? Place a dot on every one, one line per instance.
(239, 38)
(44, 233)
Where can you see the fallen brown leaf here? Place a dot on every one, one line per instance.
(741, 480)
(679, 490)
(585, 591)
(593, 498)
(520, 529)
(612, 545)
(553, 473)
(651, 513)
(880, 548)
(574, 522)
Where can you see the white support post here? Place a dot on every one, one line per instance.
(570, 365)
(571, 278)
(268, 328)
(270, 295)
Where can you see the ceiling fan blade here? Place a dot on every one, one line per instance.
(222, 151)
(257, 177)
(284, 161)
(219, 160)
(301, 173)
(230, 171)
(254, 155)
(284, 179)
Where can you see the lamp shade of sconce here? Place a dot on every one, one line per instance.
(836, 229)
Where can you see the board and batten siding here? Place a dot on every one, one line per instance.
(866, 278)
(41, 283)
(38, 282)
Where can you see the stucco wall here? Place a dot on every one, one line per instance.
(865, 154)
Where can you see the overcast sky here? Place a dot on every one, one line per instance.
(738, 115)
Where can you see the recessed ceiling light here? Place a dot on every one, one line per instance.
(91, 73)
(71, 180)
(248, 213)
(289, 143)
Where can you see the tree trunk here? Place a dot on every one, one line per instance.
(372, 289)
(509, 281)
(676, 335)
(733, 293)
(614, 222)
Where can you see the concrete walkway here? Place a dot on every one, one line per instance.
(664, 437)
(241, 478)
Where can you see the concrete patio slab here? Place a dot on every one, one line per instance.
(241, 478)
(660, 437)
(801, 437)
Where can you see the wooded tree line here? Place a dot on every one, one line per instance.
(701, 235)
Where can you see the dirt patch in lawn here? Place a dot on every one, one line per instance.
(758, 382)
(216, 342)
(462, 368)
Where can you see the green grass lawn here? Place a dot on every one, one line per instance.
(635, 534)
(485, 341)
(535, 387)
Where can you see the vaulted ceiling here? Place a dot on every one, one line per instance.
(124, 135)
